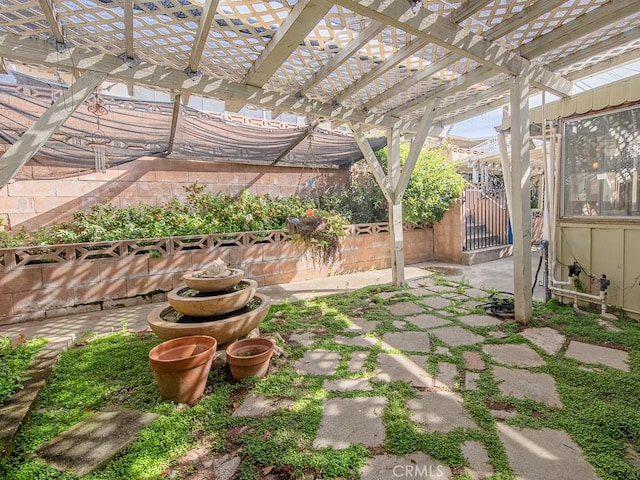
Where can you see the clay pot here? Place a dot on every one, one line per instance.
(181, 367)
(249, 357)
(210, 304)
(225, 328)
(213, 284)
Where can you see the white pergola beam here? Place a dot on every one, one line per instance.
(206, 18)
(462, 82)
(128, 28)
(411, 80)
(589, 22)
(526, 15)
(368, 34)
(521, 200)
(379, 70)
(372, 161)
(475, 112)
(497, 90)
(448, 34)
(468, 9)
(37, 135)
(52, 20)
(416, 147)
(301, 20)
(31, 50)
(175, 117)
(599, 48)
(604, 65)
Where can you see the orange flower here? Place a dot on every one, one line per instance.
(310, 212)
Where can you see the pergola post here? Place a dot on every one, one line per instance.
(394, 183)
(395, 207)
(521, 198)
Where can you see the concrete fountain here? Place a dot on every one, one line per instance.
(217, 302)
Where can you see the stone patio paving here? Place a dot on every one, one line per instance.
(351, 414)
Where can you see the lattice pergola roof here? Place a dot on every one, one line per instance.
(365, 61)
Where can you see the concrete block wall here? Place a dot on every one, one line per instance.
(447, 236)
(50, 290)
(41, 195)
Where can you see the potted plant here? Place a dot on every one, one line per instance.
(181, 367)
(249, 357)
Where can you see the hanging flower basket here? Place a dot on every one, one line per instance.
(319, 234)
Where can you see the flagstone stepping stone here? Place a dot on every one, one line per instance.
(446, 375)
(471, 380)
(427, 321)
(442, 351)
(357, 361)
(522, 384)
(415, 465)
(318, 362)
(387, 295)
(92, 443)
(407, 341)
(396, 367)
(498, 335)
(480, 320)
(478, 459)
(587, 353)
(259, 406)
(544, 453)
(473, 360)
(475, 293)
(441, 289)
(457, 336)
(436, 302)
(420, 292)
(347, 421)
(303, 339)
(608, 326)
(361, 325)
(399, 324)
(439, 411)
(472, 305)
(404, 309)
(356, 341)
(515, 355)
(424, 282)
(503, 414)
(453, 296)
(548, 339)
(347, 385)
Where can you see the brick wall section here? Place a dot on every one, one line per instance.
(42, 195)
(47, 290)
(447, 236)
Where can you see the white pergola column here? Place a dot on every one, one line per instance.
(395, 206)
(521, 199)
(394, 183)
(33, 139)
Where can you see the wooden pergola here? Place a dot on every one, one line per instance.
(400, 65)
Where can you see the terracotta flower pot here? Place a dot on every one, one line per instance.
(249, 357)
(181, 367)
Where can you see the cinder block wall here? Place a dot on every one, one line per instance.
(41, 195)
(49, 290)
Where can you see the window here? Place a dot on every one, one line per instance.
(600, 160)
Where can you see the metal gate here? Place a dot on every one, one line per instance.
(485, 218)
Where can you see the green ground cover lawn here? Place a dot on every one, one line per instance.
(14, 359)
(601, 407)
